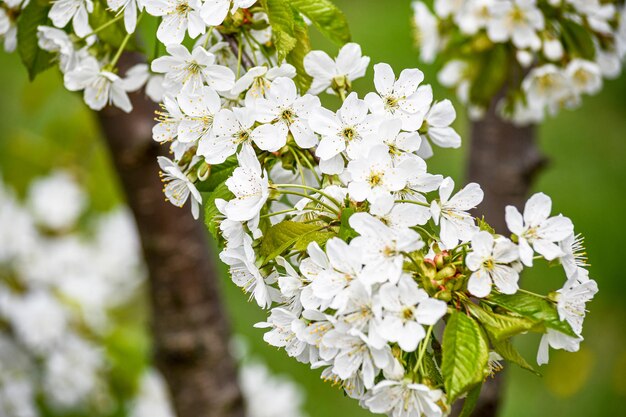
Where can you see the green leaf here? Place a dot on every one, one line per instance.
(506, 349)
(501, 326)
(210, 209)
(345, 230)
(465, 355)
(219, 174)
(432, 371)
(470, 401)
(326, 17)
(297, 54)
(578, 39)
(114, 34)
(34, 59)
(282, 236)
(281, 18)
(318, 236)
(533, 307)
(491, 74)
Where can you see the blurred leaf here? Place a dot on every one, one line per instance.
(114, 34)
(506, 349)
(498, 325)
(465, 355)
(326, 17)
(210, 209)
(34, 59)
(470, 401)
(492, 70)
(533, 307)
(282, 236)
(578, 39)
(282, 21)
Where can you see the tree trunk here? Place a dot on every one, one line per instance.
(504, 159)
(190, 329)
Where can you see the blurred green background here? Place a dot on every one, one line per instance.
(42, 126)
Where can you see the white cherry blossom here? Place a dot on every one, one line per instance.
(491, 262)
(192, 70)
(537, 230)
(348, 66)
(450, 213)
(178, 18)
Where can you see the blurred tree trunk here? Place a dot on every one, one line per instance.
(504, 159)
(190, 328)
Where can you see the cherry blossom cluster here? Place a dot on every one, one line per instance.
(58, 286)
(556, 51)
(331, 221)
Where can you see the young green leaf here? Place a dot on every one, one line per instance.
(297, 54)
(210, 209)
(470, 401)
(34, 59)
(219, 174)
(500, 326)
(506, 349)
(533, 307)
(345, 230)
(465, 355)
(432, 371)
(282, 236)
(282, 21)
(578, 39)
(326, 17)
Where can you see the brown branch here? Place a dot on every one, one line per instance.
(504, 159)
(233, 42)
(190, 327)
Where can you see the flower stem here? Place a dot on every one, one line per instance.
(118, 54)
(104, 26)
(315, 190)
(330, 208)
(419, 203)
(422, 351)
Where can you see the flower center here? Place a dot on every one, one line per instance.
(241, 136)
(287, 116)
(489, 264)
(375, 178)
(407, 313)
(194, 68)
(391, 102)
(183, 8)
(349, 133)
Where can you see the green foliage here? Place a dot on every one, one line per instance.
(281, 18)
(284, 235)
(345, 230)
(210, 209)
(500, 326)
(290, 32)
(506, 349)
(432, 371)
(113, 35)
(470, 401)
(578, 39)
(491, 74)
(219, 174)
(326, 17)
(535, 308)
(296, 56)
(34, 59)
(465, 355)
